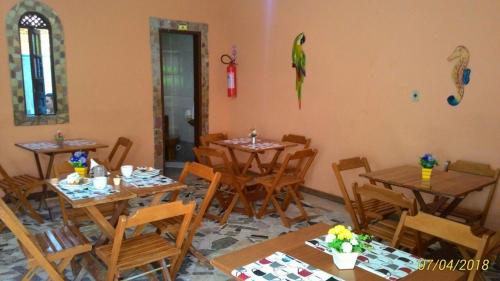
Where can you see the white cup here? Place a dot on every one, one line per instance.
(127, 170)
(116, 181)
(100, 182)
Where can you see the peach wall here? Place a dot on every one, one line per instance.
(364, 59)
(109, 74)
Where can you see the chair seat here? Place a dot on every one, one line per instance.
(139, 250)
(385, 230)
(21, 181)
(56, 244)
(376, 209)
(469, 215)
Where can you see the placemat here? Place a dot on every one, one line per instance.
(280, 266)
(149, 182)
(86, 192)
(237, 141)
(40, 145)
(382, 260)
(263, 145)
(79, 142)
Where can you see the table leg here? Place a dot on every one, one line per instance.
(437, 203)
(248, 164)
(420, 201)
(273, 161)
(259, 164)
(106, 226)
(451, 207)
(234, 159)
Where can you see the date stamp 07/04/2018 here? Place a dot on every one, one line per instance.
(461, 264)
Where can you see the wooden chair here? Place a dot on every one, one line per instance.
(171, 226)
(139, 251)
(302, 141)
(275, 183)
(19, 188)
(385, 228)
(125, 145)
(77, 216)
(52, 250)
(205, 141)
(374, 209)
(454, 232)
(474, 216)
(233, 188)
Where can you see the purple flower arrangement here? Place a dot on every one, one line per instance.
(428, 161)
(79, 159)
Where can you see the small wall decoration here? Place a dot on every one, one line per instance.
(299, 63)
(415, 96)
(460, 73)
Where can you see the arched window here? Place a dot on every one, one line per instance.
(37, 63)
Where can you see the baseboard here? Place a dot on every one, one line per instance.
(322, 194)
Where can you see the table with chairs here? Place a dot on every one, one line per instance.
(155, 237)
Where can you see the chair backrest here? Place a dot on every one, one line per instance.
(206, 139)
(208, 174)
(303, 159)
(298, 139)
(478, 169)
(28, 242)
(148, 215)
(454, 232)
(345, 165)
(62, 169)
(369, 191)
(5, 176)
(125, 145)
(211, 156)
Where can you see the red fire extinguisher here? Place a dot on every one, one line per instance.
(231, 74)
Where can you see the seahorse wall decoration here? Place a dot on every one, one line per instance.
(460, 73)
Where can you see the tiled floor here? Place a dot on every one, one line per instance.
(211, 239)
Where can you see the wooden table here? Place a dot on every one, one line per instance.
(293, 244)
(51, 149)
(124, 192)
(444, 185)
(261, 145)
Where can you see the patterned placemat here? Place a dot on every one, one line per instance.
(86, 192)
(79, 142)
(382, 260)
(149, 182)
(237, 141)
(40, 145)
(280, 266)
(263, 145)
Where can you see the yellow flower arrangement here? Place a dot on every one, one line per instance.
(344, 240)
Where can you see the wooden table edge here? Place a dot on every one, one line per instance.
(126, 195)
(60, 150)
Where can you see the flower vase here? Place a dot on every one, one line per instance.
(344, 260)
(426, 173)
(82, 171)
(60, 142)
(254, 140)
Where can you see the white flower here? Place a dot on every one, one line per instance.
(346, 247)
(354, 241)
(329, 238)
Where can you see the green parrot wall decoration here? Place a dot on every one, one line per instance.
(299, 63)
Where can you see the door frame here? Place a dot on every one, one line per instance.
(157, 26)
(197, 80)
